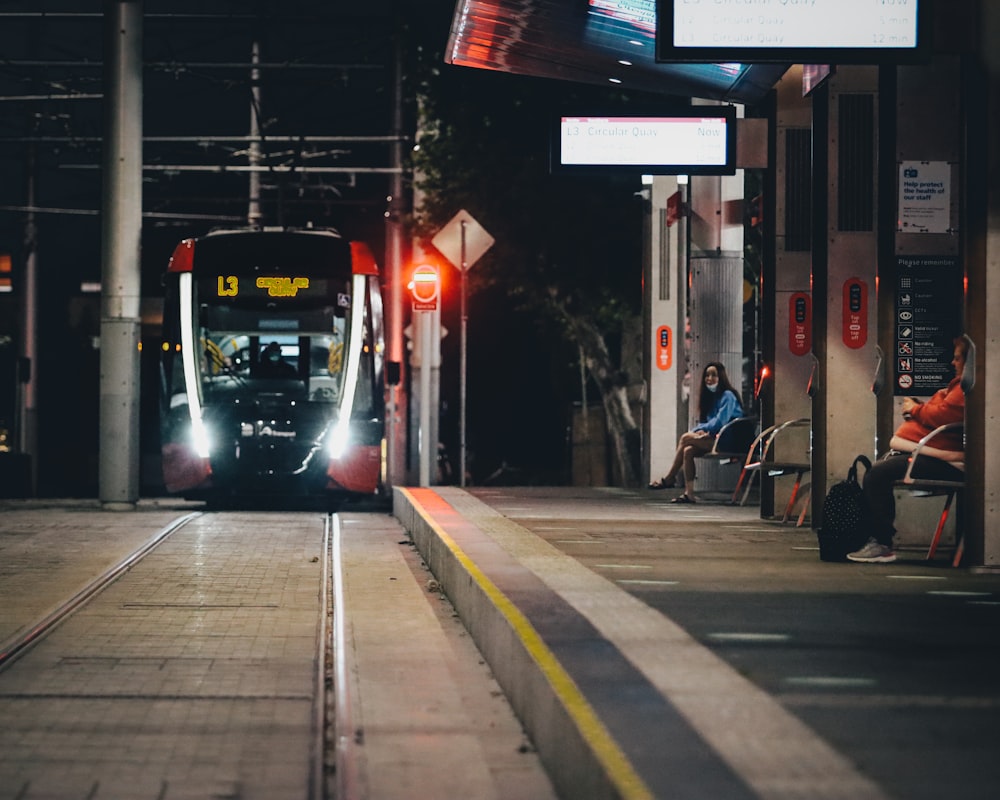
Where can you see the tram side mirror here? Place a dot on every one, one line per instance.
(392, 373)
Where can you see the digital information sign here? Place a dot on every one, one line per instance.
(674, 145)
(858, 31)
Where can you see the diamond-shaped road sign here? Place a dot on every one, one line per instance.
(449, 240)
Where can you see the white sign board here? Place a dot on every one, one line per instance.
(795, 23)
(449, 240)
(697, 141)
(924, 197)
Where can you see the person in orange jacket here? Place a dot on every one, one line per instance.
(942, 461)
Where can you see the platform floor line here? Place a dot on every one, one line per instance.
(619, 769)
(768, 747)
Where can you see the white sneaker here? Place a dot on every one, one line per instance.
(873, 553)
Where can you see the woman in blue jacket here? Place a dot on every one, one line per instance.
(718, 404)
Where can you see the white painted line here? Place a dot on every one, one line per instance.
(737, 636)
(956, 593)
(916, 577)
(623, 566)
(829, 681)
(642, 582)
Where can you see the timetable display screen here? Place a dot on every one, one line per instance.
(806, 31)
(700, 143)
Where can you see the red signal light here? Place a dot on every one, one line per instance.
(425, 287)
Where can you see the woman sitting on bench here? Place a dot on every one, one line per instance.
(945, 406)
(718, 404)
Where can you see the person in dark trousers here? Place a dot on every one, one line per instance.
(718, 404)
(942, 461)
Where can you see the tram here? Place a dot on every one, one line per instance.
(271, 367)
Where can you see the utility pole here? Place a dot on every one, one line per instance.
(118, 475)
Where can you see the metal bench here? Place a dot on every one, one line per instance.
(921, 487)
(760, 458)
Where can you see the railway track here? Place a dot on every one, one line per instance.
(218, 616)
(249, 655)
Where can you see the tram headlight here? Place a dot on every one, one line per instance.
(337, 443)
(200, 439)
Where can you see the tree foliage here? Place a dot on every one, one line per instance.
(568, 250)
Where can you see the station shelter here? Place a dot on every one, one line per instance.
(880, 240)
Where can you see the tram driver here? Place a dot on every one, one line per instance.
(273, 363)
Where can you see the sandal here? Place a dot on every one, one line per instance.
(683, 500)
(663, 483)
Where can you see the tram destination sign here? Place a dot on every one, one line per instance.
(284, 290)
(928, 317)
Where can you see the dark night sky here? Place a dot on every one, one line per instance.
(333, 78)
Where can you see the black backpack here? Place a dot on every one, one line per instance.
(846, 520)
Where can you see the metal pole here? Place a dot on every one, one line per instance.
(396, 444)
(462, 368)
(427, 447)
(27, 421)
(120, 274)
(253, 153)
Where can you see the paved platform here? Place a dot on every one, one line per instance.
(658, 651)
(649, 650)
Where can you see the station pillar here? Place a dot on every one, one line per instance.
(664, 319)
(844, 272)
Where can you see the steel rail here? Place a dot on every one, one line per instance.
(318, 755)
(20, 642)
(345, 735)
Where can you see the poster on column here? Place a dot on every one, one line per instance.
(924, 197)
(928, 310)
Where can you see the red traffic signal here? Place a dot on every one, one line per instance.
(425, 287)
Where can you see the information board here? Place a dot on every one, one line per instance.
(928, 317)
(699, 142)
(797, 31)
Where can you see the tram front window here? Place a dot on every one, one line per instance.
(300, 354)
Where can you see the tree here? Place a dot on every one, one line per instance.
(568, 250)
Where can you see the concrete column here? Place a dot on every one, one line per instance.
(664, 313)
(120, 276)
(928, 128)
(716, 294)
(845, 257)
(983, 412)
(788, 357)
